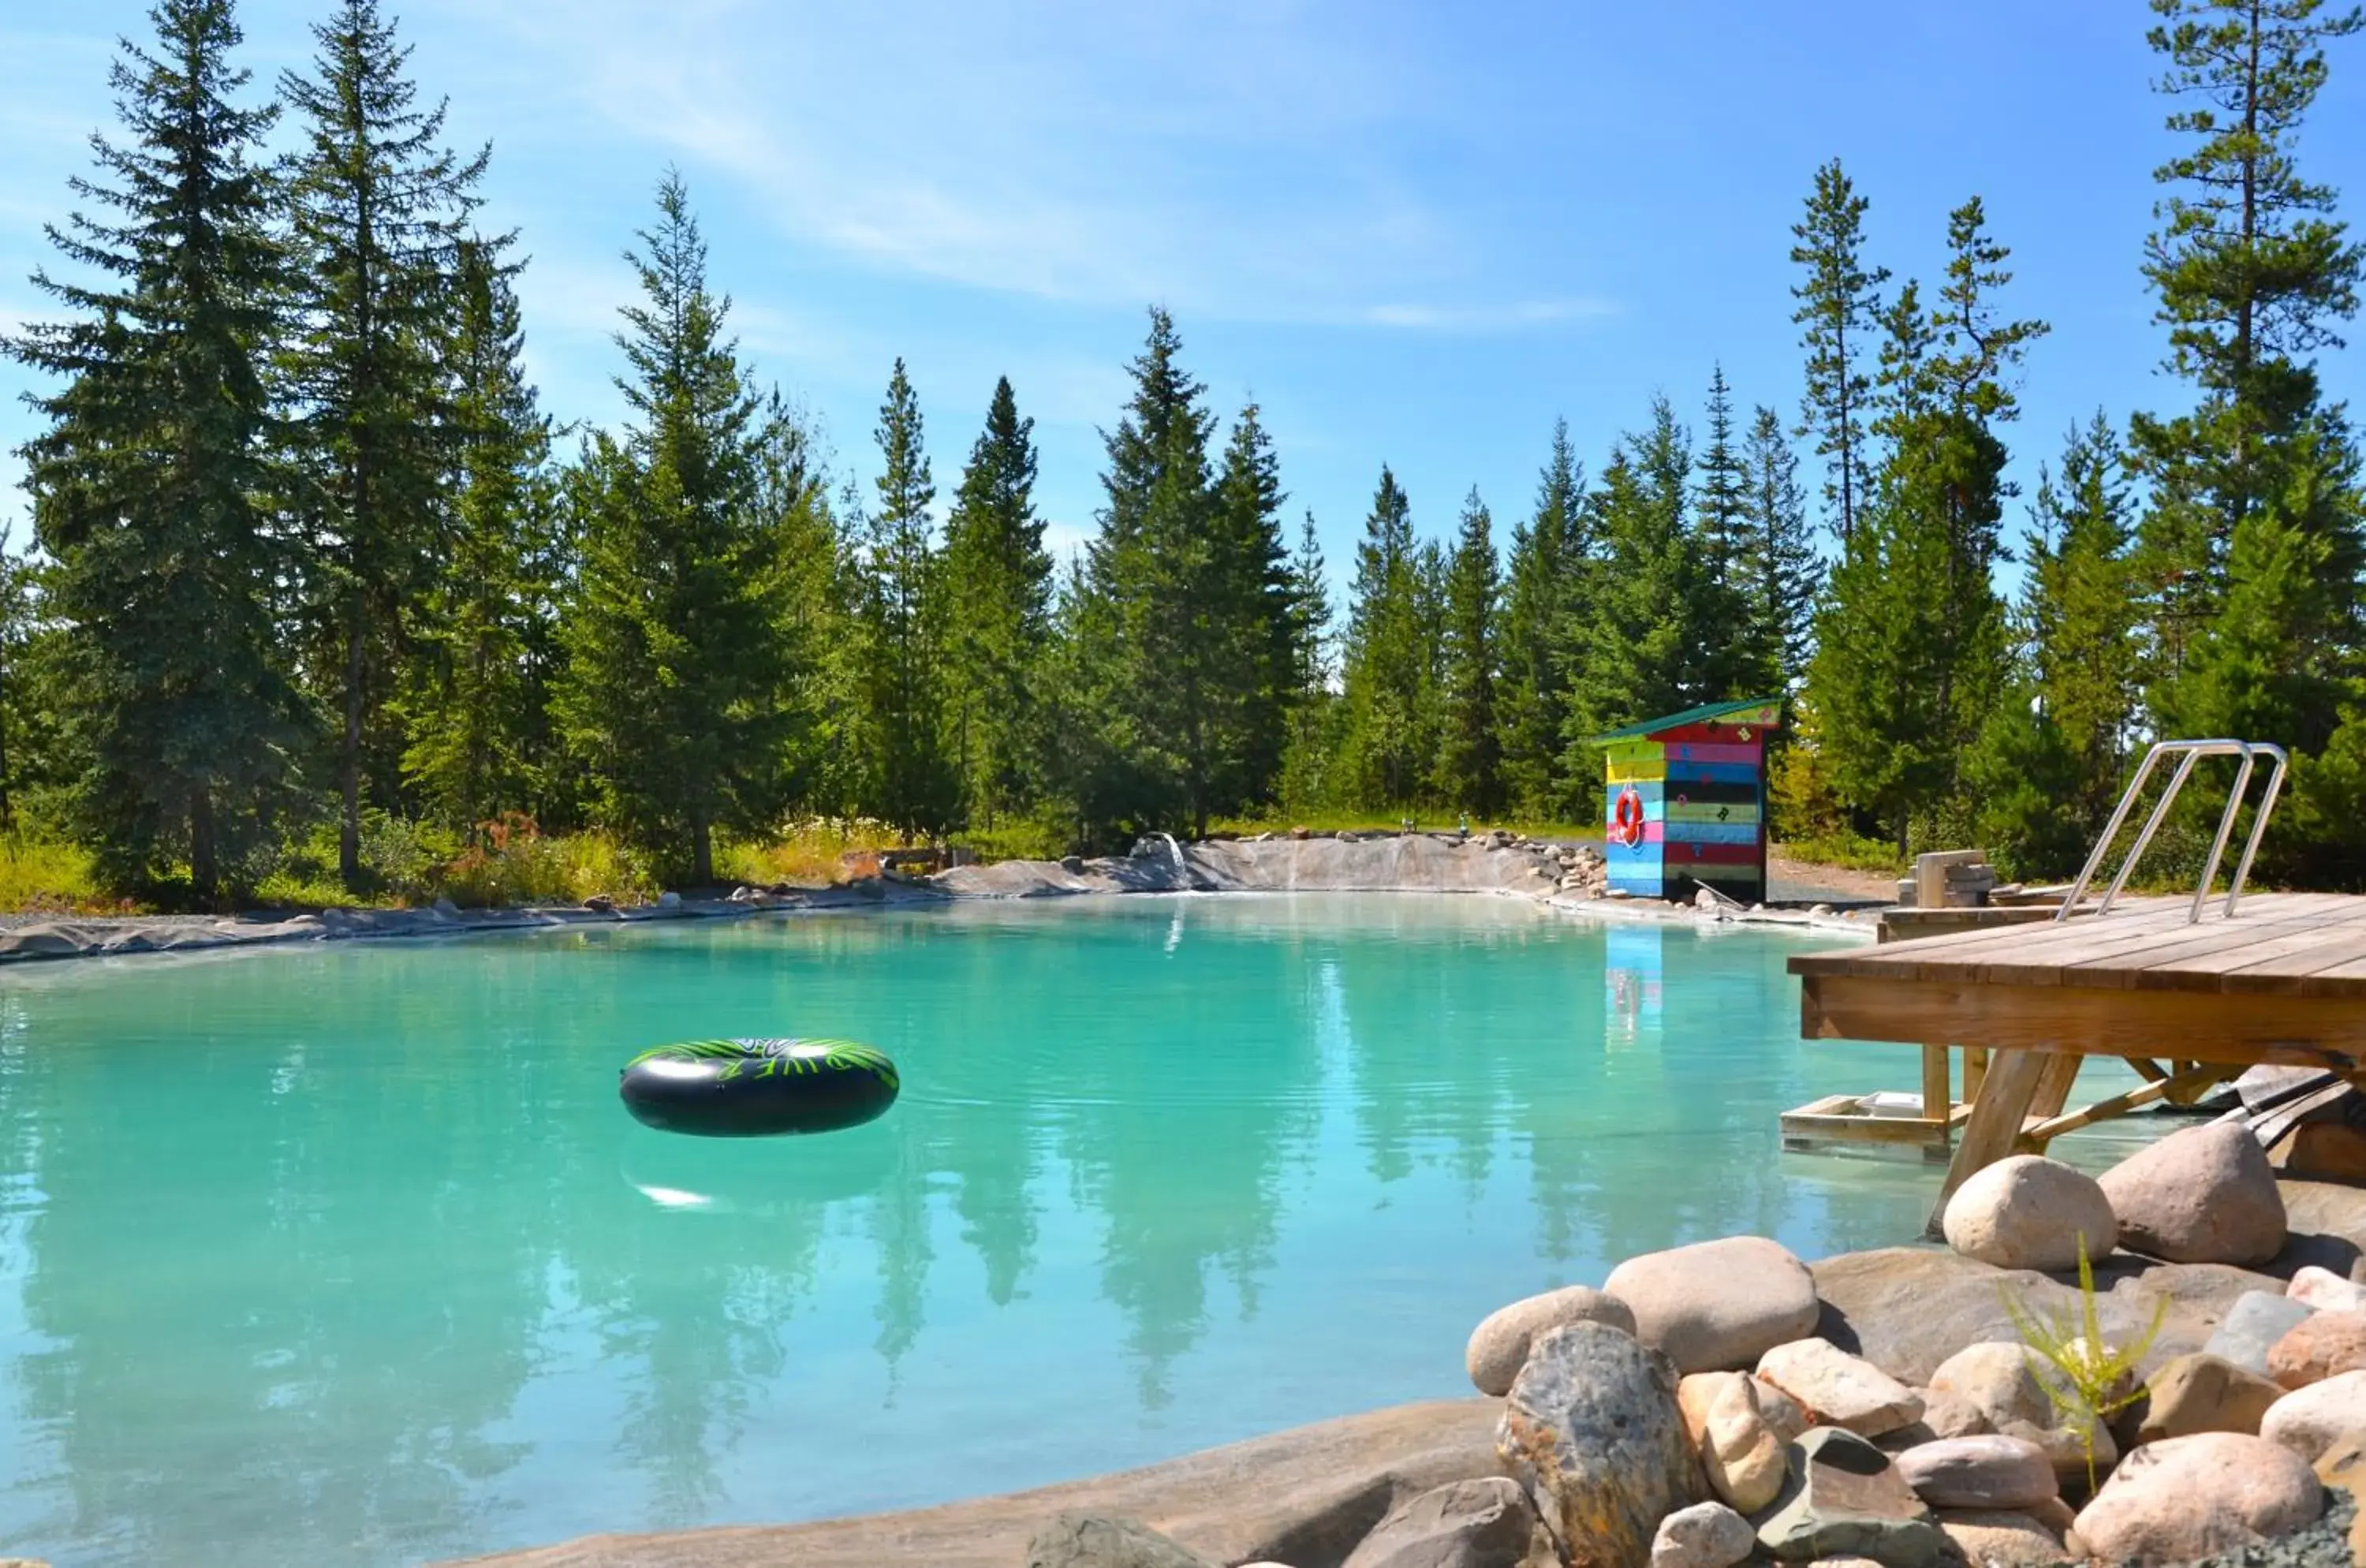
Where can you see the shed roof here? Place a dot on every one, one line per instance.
(1704, 714)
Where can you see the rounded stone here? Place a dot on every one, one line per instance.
(1995, 1538)
(2029, 1212)
(1499, 1345)
(1591, 1429)
(1989, 1471)
(2308, 1421)
(1740, 1454)
(1717, 1305)
(1995, 1376)
(1706, 1535)
(1837, 1389)
(2190, 1498)
(2322, 1345)
(2205, 1393)
(2204, 1195)
(2326, 1290)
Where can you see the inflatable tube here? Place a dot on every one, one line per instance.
(755, 1089)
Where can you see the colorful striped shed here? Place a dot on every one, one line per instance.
(1686, 801)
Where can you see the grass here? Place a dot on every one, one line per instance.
(811, 852)
(51, 879)
(1847, 851)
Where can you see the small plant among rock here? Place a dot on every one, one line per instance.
(2084, 1378)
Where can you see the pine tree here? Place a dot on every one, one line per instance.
(998, 600)
(913, 782)
(1254, 615)
(1468, 763)
(1307, 757)
(1642, 649)
(2252, 271)
(679, 692)
(1780, 564)
(1838, 302)
(1721, 550)
(378, 214)
(477, 710)
(146, 483)
(1386, 661)
(1912, 651)
(1544, 579)
(1156, 562)
(2080, 616)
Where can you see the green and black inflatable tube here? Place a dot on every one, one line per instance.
(758, 1088)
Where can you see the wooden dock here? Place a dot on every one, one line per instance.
(2188, 1004)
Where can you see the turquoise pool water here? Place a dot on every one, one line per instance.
(349, 1255)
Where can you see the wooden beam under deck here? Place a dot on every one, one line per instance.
(2283, 982)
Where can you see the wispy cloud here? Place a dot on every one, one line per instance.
(1235, 159)
(1482, 318)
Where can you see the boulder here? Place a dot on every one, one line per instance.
(2075, 1458)
(1706, 1535)
(1743, 1457)
(2253, 1324)
(2344, 1464)
(1994, 1377)
(2028, 1211)
(2191, 1497)
(1717, 1305)
(2205, 1394)
(1782, 1412)
(1837, 1389)
(1484, 1523)
(1990, 1472)
(1950, 1414)
(1591, 1427)
(2326, 1290)
(2322, 1345)
(1500, 1341)
(2310, 1421)
(2204, 1195)
(1907, 1309)
(1992, 1538)
(1844, 1497)
(1085, 1540)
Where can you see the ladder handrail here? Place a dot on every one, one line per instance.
(2189, 752)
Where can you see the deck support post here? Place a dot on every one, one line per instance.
(1938, 1094)
(1995, 1124)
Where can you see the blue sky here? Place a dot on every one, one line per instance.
(1413, 232)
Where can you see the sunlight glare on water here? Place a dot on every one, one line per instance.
(348, 1254)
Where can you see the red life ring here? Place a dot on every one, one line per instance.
(1626, 825)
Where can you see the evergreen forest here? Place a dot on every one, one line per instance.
(318, 593)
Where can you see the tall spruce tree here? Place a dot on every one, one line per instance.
(2250, 551)
(1469, 771)
(1642, 648)
(2080, 615)
(476, 707)
(147, 482)
(1386, 659)
(1721, 549)
(1253, 608)
(378, 213)
(1307, 756)
(1781, 568)
(1839, 300)
(679, 692)
(1156, 563)
(913, 782)
(1544, 577)
(998, 605)
(1912, 648)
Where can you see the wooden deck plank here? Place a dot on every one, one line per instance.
(2300, 944)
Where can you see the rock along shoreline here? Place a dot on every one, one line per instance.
(1568, 880)
(1721, 1404)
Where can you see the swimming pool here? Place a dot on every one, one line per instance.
(348, 1254)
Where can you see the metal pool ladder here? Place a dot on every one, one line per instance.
(2189, 752)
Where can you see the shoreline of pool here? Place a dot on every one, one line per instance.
(1395, 864)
